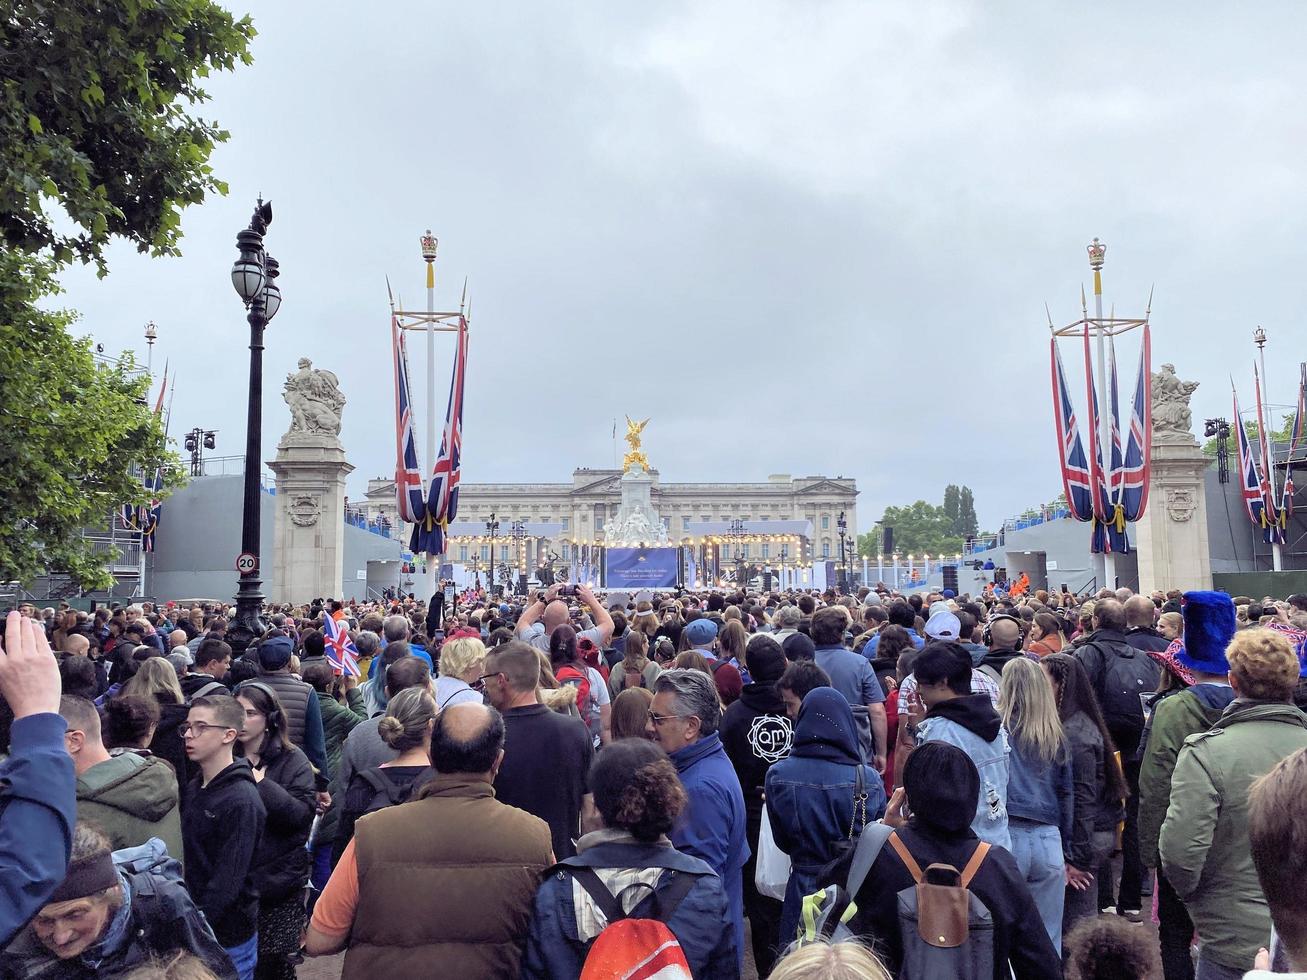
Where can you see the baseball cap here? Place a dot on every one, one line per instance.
(275, 652)
(701, 632)
(943, 625)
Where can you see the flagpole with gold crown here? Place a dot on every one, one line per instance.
(429, 245)
(432, 321)
(1097, 252)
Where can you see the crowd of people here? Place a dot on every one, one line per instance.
(794, 785)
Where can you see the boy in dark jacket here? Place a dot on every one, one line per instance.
(222, 823)
(940, 784)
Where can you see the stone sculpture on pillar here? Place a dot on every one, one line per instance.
(309, 544)
(1172, 535)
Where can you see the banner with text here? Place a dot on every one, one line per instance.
(640, 568)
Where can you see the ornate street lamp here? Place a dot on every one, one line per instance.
(492, 528)
(254, 277)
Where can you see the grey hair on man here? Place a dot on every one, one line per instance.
(789, 617)
(395, 628)
(368, 642)
(696, 695)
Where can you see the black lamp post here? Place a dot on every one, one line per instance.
(517, 531)
(842, 526)
(492, 528)
(254, 276)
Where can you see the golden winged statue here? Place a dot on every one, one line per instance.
(633, 430)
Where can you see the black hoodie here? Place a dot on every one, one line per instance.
(222, 824)
(754, 745)
(974, 712)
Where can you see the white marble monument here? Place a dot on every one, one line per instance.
(637, 524)
(1172, 535)
(309, 541)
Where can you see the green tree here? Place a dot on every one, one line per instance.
(77, 434)
(869, 544)
(94, 121)
(953, 505)
(96, 141)
(922, 528)
(967, 522)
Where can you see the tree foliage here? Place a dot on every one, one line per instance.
(94, 120)
(922, 528)
(97, 141)
(966, 523)
(76, 435)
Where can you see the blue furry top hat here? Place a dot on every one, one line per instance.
(1208, 629)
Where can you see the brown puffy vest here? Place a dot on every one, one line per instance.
(446, 884)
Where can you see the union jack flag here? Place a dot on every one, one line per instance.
(408, 474)
(1250, 484)
(1274, 527)
(1097, 478)
(150, 514)
(442, 498)
(1295, 437)
(1071, 451)
(1135, 470)
(1108, 521)
(339, 649)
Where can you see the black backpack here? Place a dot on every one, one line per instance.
(1128, 674)
(386, 793)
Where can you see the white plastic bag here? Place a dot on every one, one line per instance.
(773, 871)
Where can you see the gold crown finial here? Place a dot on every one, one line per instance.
(429, 243)
(1096, 251)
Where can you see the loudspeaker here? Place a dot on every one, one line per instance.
(951, 577)
(887, 541)
(766, 581)
(521, 583)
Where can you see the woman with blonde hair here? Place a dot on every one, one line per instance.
(645, 619)
(155, 679)
(1039, 799)
(823, 960)
(461, 662)
(636, 669)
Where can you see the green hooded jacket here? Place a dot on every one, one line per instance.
(1204, 839)
(1175, 718)
(132, 798)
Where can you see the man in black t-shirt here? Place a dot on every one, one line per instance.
(546, 755)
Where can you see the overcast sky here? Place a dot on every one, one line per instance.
(805, 238)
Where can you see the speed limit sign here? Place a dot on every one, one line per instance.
(246, 563)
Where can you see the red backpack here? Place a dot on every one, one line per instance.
(635, 948)
(579, 679)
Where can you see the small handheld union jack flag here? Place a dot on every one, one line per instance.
(339, 649)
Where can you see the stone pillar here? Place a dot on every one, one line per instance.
(1172, 536)
(309, 542)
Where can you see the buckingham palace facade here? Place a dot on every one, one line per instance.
(581, 508)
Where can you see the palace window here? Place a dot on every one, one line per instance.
(766, 551)
(825, 522)
(503, 552)
(485, 552)
(825, 549)
(567, 551)
(462, 553)
(566, 522)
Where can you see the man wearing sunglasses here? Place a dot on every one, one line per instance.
(222, 821)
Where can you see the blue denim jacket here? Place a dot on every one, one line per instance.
(1040, 791)
(991, 759)
(810, 806)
